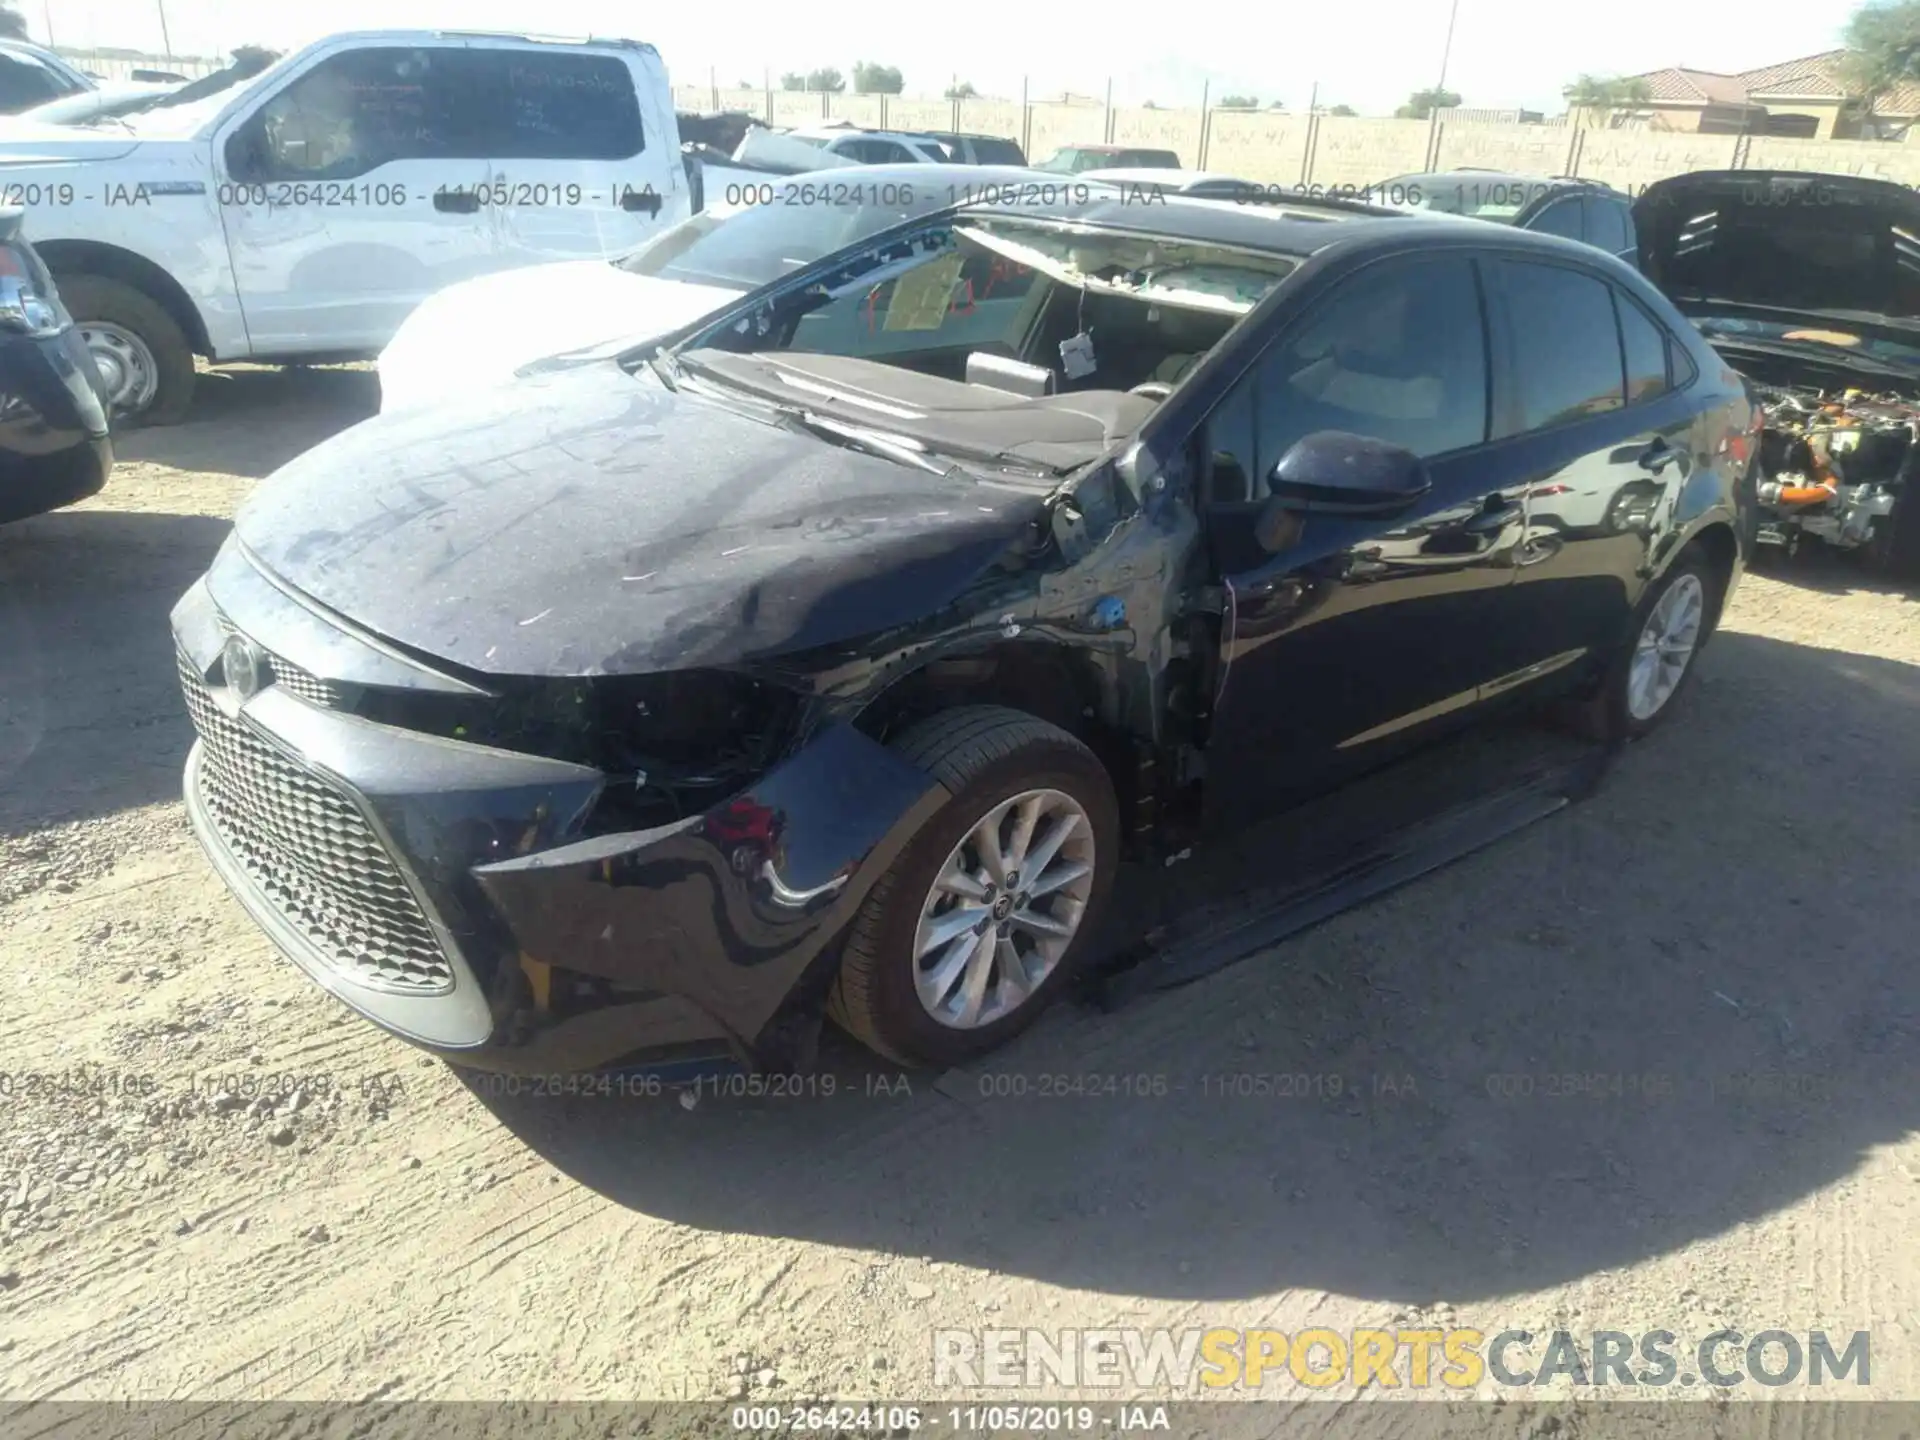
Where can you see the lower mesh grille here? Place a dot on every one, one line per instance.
(310, 851)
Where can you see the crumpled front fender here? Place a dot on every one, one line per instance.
(727, 909)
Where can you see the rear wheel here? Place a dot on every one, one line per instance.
(143, 357)
(1644, 677)
(988, 911)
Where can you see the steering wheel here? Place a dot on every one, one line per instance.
(1152, 389)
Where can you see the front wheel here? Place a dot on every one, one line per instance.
(988, 911)
(144, 360)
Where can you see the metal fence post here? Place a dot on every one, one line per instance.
(1106, 137)
(1026, 121)
(1206, 122)
(1306, 150)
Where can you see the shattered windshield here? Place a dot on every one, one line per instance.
(1030, 342)
(748, 248)
(1019, 290)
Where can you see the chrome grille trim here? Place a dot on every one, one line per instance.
(304, 683)
(306, 846)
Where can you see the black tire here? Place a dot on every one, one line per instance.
(1605, 715)
(95, 297)
(983, 754)
(1893, 551)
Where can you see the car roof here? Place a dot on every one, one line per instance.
(1290, 228)
(1280, 229)
(1155, 175)
(1467, 175)
(931, 172)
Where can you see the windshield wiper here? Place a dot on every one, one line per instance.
(855, 437)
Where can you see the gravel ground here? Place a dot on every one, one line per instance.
(1739, 900)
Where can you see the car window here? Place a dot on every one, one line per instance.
(1148, 159)
(26, 82)
(1560, 218)
(988, 150)
(560, 106)
(1397, 353)
(1645, 346)
(1566, 348)
(356, 111)
(1607, 224)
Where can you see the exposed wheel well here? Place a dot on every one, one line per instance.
(90, 257)
(1048, 681)
(1721, 549)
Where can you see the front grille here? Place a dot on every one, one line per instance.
(304, 683)
(310, 851)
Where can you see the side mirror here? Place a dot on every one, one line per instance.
(1332, 472)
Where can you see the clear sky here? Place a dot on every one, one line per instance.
(1366, 53)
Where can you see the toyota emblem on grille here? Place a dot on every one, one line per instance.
(245, 666)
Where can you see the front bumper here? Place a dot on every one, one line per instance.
(54, 448)
(454, 894)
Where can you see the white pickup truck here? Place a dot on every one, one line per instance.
(303, 215)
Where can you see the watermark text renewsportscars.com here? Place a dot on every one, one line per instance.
(1197, 1361)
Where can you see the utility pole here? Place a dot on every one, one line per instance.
(1446, 51)
(166, 40)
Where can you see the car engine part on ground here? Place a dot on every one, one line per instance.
(1834, 466)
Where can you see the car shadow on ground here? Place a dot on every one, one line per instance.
(91, 719)
(248, 420)
(1639, 1023)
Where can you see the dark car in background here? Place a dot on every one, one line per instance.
(54, 447)
(1809, 285)
(1584, 210)
(828, 656)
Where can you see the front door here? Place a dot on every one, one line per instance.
(1357, 636)
(352, 193)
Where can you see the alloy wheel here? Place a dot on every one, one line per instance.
(1665, 647)
(1003, 909)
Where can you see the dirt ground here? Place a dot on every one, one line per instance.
(1730, 925)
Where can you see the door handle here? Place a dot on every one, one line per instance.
(457, 202)
(647, 200)
(1657, 456)
(1494, 519)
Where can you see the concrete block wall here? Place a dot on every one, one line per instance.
(1277, 148)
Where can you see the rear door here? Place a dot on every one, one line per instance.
(1604, 436)
(348, 194)
(587, 165)
(1359, 635)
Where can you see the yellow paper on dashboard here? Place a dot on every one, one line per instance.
(922, 297)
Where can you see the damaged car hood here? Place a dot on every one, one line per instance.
(1834, 254)
(591, 521)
